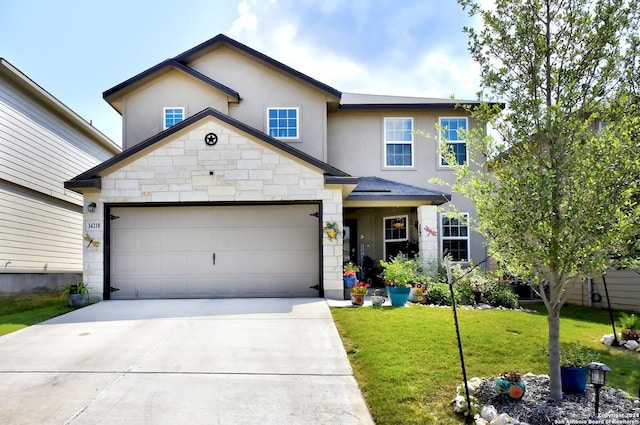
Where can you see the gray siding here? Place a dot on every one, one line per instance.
(42, 144)
(38, 234)
(40, 151)
(624, 291)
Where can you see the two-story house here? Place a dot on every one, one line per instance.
(43, 143)
(234, 167)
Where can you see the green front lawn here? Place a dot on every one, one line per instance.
(407, 364)
(17, 312)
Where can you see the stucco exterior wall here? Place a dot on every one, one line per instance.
(261, 87)
(356, 146)
(183, 168)
(143, 108)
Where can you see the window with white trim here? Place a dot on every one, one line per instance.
(283, 123)
(395, 235)
(455, 236)
(395, 228)
(398, 142)
(454, 138)
(172, 116)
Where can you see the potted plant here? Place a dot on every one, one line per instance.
(574, 371)
(358, 292)
(376, 299)
(349, 274)
(630, 326)
(510, 386)
(419, 292)
(77, 294)
(398, 275)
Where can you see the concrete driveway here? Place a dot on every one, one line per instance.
(223, 361)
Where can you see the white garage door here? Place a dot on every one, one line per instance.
(215, 251)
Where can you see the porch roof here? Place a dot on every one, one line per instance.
(374, 191)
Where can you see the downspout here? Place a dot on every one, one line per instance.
(589, 292)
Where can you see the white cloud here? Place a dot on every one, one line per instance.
(363, 47)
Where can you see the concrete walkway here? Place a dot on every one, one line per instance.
(224, 361)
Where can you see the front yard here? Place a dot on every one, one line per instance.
(406, 359)
(407, 364)
(18, 312)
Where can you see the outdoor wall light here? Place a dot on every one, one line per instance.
(597, 374)
(91, 207)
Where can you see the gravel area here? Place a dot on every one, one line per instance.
(536, 409)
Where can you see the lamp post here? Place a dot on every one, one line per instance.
(597, 374)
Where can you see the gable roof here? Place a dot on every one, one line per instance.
(181, 63)
(91, 178)
(377, 189)
(132, 83)
(221, 39)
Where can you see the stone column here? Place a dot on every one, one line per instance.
(428, 229)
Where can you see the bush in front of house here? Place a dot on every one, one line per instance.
(503, 297)
(473, 286)
(439, 294)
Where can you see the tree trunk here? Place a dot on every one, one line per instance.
(555, 385)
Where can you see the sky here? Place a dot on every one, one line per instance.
(77, 49)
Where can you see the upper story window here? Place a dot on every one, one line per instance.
(283, 123)
(172, 116)
(398, 142)
(454, 138)
(455, 236)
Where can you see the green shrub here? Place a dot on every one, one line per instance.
(503, 297)
(400, 271)
(439, 294)
(575, 355)
(466, 294)
(629, 321)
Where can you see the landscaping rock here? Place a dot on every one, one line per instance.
(632, 345)
(501, 419)
(536, 407)
(607, 339)
(489, 413)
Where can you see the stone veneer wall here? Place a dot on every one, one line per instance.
(179, 170)
(428, 242)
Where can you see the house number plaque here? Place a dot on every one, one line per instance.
(93, 225)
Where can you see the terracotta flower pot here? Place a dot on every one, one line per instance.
(630, 335)
(357, 299)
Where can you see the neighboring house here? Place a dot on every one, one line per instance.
(42, 144)
(233, 165)
(623, 287)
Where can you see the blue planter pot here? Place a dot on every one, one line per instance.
(574, 379)
(398, 295)
(349, 282)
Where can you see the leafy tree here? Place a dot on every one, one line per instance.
(560, 195)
